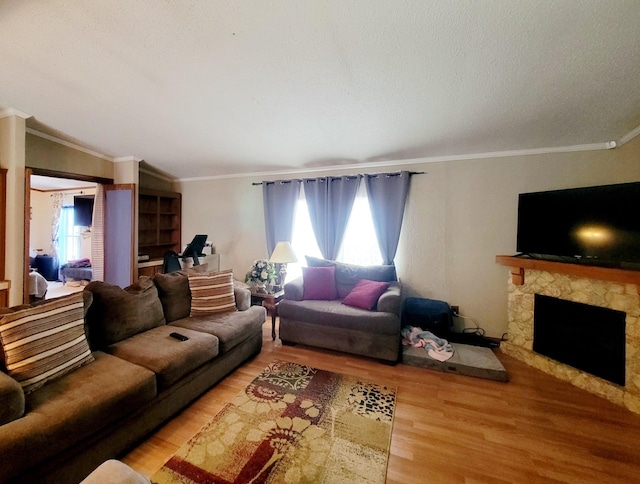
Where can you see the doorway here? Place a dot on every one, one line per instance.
(57, 234)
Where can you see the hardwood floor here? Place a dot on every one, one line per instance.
(451, 428)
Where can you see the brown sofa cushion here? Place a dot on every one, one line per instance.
(174, 292)
(70, 409)
(348, 275)
(44, 342)
(231, 328)
(170, 359)
(117, 314)
(12, 398)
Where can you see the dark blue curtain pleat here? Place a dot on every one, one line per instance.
(330, 201)
(280, 200)
(387, 194)
(315, 193)
(342, 194)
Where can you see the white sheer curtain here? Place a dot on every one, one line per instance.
(55, 222)
(68, 240)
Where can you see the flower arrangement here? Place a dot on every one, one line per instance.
(262, 272)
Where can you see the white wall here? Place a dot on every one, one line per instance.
(41, 219)
(459, 216)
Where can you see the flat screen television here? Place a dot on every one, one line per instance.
(598, 225)
(83, 210)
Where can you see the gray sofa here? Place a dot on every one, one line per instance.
(332, 325)
(140, 377)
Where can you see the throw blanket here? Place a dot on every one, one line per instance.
(78, 263)
(437, 348)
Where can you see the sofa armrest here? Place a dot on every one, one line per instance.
(389, 302)
(294, 290)
(12, 398)
(242, 294)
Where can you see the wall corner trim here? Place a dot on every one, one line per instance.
(5, 113)
(629, 136)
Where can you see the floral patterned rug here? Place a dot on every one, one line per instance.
(293, 423)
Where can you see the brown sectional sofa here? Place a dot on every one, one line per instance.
(332, 325)
(140, 377)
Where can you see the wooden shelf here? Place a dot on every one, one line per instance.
(159, 222)
(156, 244)
(519, 264)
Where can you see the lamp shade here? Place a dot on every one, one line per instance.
(283, 254)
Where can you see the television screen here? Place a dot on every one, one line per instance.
(596, 224)
(83, 210)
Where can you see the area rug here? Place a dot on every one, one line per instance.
(292, 424)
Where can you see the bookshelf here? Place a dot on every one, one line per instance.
(159, 222)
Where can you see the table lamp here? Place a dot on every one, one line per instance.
(282, 255)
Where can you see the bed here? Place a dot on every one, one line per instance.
(78, 270)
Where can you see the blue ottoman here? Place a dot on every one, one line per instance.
(428, 314)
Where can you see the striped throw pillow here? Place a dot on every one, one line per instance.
(45, 341)
(212, 293)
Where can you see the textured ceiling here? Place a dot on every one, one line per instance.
(207, 88)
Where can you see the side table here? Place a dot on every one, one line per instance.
(270, 302)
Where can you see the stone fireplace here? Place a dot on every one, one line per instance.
(601, 287)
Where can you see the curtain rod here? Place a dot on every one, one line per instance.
(81, 192)
(348, 176)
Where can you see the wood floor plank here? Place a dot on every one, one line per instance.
(453, 429)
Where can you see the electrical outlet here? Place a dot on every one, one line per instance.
(455, 309)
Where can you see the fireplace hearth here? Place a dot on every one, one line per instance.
(602, 288)
(586, 337)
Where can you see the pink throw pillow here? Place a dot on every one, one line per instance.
(319, 283)
(365, 294)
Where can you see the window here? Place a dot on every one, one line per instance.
(359, 246)
(69, 236)
(303, 239)
(360, 243)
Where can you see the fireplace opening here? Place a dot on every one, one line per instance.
(589, 338)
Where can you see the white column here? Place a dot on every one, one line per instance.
(12, 157)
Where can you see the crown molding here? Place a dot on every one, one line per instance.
(629, 136)
(68, 144)
(122, 159)
(156, 175)
(435, 159)
(5, 113)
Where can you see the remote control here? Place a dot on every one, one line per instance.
(179, 336)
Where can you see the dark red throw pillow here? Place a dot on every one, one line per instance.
(319, 283)
(365, 294)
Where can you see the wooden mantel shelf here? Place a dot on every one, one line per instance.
(519, 264)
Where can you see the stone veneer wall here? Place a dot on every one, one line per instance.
(623, 297)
